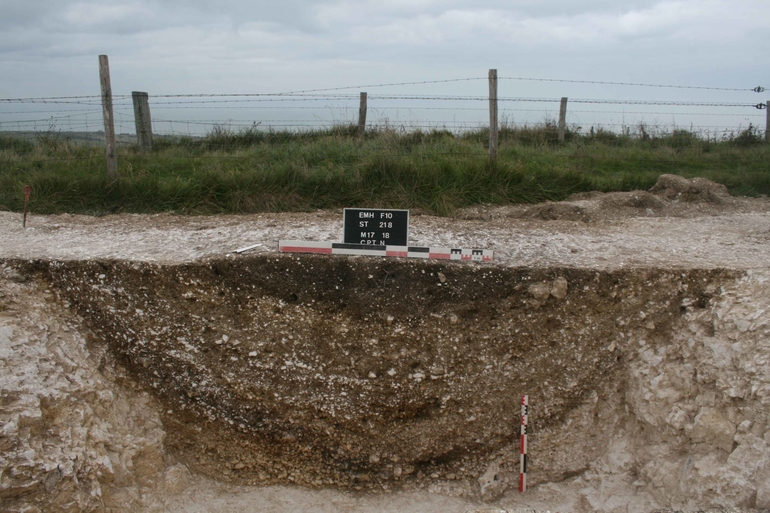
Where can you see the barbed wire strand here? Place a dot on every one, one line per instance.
(284, 97)
(757, 89)
(335, 88)
(463, 109)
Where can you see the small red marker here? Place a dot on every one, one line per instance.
(27, 190)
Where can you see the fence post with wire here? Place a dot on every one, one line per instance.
(362, 115)
(562, 119)
(143, 120)
(493, 125)
(109, 117)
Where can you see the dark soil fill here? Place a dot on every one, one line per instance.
(357, 372)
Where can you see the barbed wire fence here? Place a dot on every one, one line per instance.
(309, 110)
(339, 110)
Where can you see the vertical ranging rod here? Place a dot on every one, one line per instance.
(27, 190)
(523, 462)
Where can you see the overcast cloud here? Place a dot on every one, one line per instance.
(50, 48)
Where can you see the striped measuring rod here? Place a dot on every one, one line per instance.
(341, 248)
(523, 461)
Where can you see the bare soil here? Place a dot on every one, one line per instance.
(267, 382)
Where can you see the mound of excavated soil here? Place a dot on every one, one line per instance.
(671, 196)
(144, 368)
(695, 190)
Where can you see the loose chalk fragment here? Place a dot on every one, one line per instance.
(241, 250)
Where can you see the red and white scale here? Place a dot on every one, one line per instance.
(340, 248)
(523, 461)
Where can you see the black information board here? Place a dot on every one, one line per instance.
(376, 227)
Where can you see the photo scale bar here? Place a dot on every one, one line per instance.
(339, 248)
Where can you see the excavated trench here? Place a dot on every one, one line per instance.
(362, 373)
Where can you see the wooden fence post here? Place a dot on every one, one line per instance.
(562, 119)
(767, 122)
(142, 120)
(362, 116)
(493, 126)
(109, 119)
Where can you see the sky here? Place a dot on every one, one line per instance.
(168, 47)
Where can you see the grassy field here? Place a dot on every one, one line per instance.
(257, 171)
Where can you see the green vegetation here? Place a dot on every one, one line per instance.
(256, 170)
